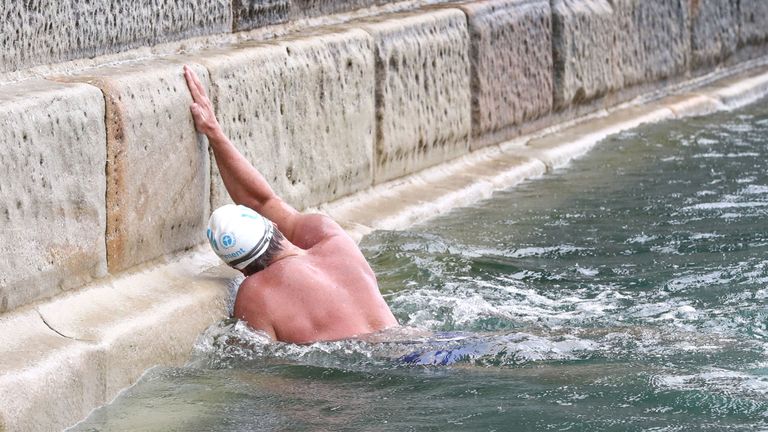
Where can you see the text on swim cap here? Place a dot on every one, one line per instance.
(234, 254)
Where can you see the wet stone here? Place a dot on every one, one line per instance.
(52, 157)
(158, 169)
(423, 91)
(714, 31)
(300, 110)
(753, 20)
(34, 33)
(511, 57)
(251, 14)
(312, 8)
(653, 37)
(585, 51)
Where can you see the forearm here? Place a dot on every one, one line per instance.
(244, 183)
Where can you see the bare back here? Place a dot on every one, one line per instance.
(328, 293)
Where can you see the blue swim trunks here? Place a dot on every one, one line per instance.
(445, 349)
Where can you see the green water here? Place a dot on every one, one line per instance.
(625, 292)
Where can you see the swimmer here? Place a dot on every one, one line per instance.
(306, 280)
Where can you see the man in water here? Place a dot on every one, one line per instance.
(306, 280)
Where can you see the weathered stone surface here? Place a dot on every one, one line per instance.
(52, 219)
(75, 352)
(753, 19)
(47, 381)
(301, 110)
(654, 41)
(714, 31)
(250, 14)
(157, 165)
(511, 58)
(33, 33)
(586, 59)
(422, 91)
(312, 8)
(160, 311)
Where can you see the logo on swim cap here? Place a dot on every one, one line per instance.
(227, 240)
(239, 235)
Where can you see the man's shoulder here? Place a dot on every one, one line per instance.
(335, 245)
(313, 229)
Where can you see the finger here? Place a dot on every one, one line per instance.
(199, 84)
(193, 88)
(197, 112)
(194, 79)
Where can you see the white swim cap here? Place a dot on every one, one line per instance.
(239, 235)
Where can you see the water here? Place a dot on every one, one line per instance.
(626, 292)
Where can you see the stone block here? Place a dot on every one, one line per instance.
(34, 33)
(714, 31)
(52, 218)
(423, 96)
(313, 8)
(251, 14)
(654, 39)
(753, 20)
(585, 52)
(301, 110)
(158, 169)
(511, 62)
(47, 381)
(162, 310)
(75, 352)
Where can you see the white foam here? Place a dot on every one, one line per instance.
(715, 155)
(715, 379)
(754, 190)
(725, 205)
(541, 251)
(704, 236)
(642, 239)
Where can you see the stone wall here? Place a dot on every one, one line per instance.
(52, 207)
(34, 33)
(714, 31)
(511, 59)
(102, 169)
(301, 110)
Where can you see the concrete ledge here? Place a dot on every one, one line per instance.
(557, 149)
(416, 198)
(738, 91)
(78, 351)
(52, 216)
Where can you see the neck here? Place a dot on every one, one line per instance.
(289, 250)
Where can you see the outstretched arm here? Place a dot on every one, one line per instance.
(244, 183)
